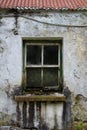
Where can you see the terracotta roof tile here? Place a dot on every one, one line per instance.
(43, 4)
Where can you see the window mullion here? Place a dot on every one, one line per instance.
(59, 56)
(25, 64)
(42, 58)
(58, 64)
(42, 54)
(25, 61)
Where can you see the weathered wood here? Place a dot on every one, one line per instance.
(34, 98)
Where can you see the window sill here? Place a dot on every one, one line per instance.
(40, 98)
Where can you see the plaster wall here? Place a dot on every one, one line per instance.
(35, 25)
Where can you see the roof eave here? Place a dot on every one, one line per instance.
(48, 8)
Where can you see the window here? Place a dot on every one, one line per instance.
(42, 64)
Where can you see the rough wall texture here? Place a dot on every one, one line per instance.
(13, 30)
(40, 115)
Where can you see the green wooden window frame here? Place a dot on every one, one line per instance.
(41, 74)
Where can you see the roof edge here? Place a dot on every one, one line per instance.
(44, 8)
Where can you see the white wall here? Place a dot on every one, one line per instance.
(74, 51)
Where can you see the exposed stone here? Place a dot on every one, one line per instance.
(80, 108)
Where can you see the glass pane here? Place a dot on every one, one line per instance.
(50, 76)
(33, 55)
(51, 55)
(33, 77)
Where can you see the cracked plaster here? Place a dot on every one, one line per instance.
(74, 52)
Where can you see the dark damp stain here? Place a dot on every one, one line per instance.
(24, 114)
(18, 114)
(67, 114)
(56, 122)
(31, 115)
(38, 109)
(16, 92)
(43, 126)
